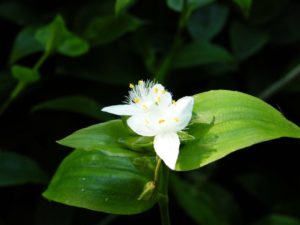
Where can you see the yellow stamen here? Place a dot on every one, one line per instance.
(158, 99)
(163, 92)
(161, 121)
(131, 86)
(140, 82)
(176, 119)
(136, 100)
(173, 102)
(156, 90)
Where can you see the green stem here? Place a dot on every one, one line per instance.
(275, 87)
(164, 67)
(164, 199)
(13, 95)
(21, 85)
(157, 167)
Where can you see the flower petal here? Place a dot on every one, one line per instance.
(138, 124)
(183, 110)
(166, 146)
(121, 110)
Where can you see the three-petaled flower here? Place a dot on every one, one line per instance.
(153, 112)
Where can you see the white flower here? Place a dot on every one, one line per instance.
(153, 113)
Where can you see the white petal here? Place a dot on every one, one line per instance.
(166, 146)
(138, 124)
(121, 110)
(183, 111)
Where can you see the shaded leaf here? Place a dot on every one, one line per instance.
(106, 29)
(277, 219)
(226, 121)
(78, 104)
(16, 169)
(25, 44)
(246, 41)
(122, 5)
(103, 182)
(56, 37)
(25, 74)
(245, 6)
(208, 21)
(177, 5)
(201, 53)
(207, 203)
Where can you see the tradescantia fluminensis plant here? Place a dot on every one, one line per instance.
(121, 166)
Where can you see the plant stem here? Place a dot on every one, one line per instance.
(157, 167)
(164, 199)
(21, 85)
(275, 87)
(164, 67)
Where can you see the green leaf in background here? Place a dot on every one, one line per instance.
(286, 29)
(103, 182)
(25, 74)
(56, 37)
(206, 203)
(201, 53)
(177, 5)
(226, 121)
(78, 104)
(277, 219)
(246, 41)
(122, 5)
(208, 21)
(16, 169)
(109, 137)
(106, 29)
(245, 6)
(25, 44)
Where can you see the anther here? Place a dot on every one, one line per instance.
(161, 121)
(136, 100)
(131, 86)
(140, 82)
(176, 119)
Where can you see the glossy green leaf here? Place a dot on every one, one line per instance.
(16, 169)
(277, 219)
(201, 53)
(226, 121)
(103, 182)
(206, 203)
(78, 104)
(109, 137)
(177, 5)
(245, 6)
(25, 74)
(56, 37)
(208, 21)
(103, 30)
(122, 5)
(25, 44)
(246, 41)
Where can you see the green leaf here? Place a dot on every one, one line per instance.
(122, 5)
(245, 6)
(226, 121)
(25, 74)
(206, 203)
(16, 169)
(106, 29)
(201, 53)
(109, 137)
(103, 182)
(207, 22)
(56, 37)
(78, 104)
(177, 5)
(246, 41)
(277, 219)
(25, 44)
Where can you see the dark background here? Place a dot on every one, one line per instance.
(262, 180)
